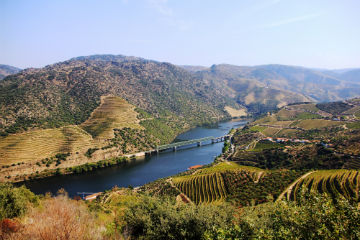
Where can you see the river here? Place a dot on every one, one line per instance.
(140, 172)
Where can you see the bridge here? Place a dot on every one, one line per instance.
(199, 141)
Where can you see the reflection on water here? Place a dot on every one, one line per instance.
(142, 171)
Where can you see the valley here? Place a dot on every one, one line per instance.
(81, 125)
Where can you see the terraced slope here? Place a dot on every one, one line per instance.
(240, 185)
(32, 146)
(208, 185)
(35, 145)
(113, 112)
(333, 182)
(204, 188)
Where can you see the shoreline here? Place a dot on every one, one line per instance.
(90, 166)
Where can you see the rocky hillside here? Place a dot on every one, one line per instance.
(6, 70)
(279, 84)
(248, 90)
(67, 92)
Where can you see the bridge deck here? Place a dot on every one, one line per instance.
(183, 143)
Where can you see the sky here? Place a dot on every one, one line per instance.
(309, 33)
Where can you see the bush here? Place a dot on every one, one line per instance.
(314, 217)
(15, 201)
(153, 218)
(59, 218)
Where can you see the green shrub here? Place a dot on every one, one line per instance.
(153, 218)
(314, 217)
(15, 201)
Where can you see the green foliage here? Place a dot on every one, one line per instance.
(314, 217)
(257, 128)
(226, 146)
(153, 218)
(90, 151)
(245, 188)
(162, 129)
(15, 201)
(240, 231)
(262, 145)
(132, 140)
(100, 164)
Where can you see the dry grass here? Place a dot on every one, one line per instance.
(236, 112)
(58, 218)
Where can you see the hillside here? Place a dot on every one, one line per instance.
(98, 107)
(281, 84)
(6, 70)
(67, 92)
(302, 136)
(248, 91)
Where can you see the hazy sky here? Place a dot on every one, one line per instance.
(311, 33)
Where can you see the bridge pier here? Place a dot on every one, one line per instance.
(212, 141)
(199, 144)
(174, 148)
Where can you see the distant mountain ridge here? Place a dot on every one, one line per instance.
(315, 85)
(6, 70)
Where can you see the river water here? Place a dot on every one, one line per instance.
(140, 172)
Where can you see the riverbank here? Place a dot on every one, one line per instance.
(140, 171)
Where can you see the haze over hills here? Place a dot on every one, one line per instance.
(313, 85)
(6, 70)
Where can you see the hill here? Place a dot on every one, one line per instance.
(6, 70)
(302, 136)
(122, 105)
(68, 92)
(119, 104)
(248, 91)
(277, 84)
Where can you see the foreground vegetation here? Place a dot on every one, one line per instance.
(124, 214)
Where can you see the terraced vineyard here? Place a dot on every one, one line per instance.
(44, 143)
(209, 185)
(32, 146)
(334, 182)
(114, 112)
(204, 188)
